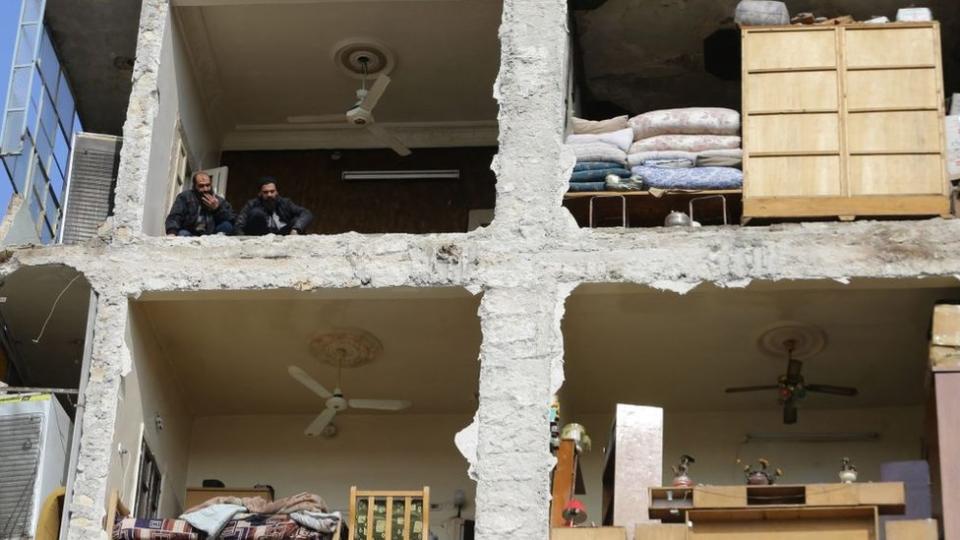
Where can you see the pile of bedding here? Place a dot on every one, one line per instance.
(601, 150)
(696, 148)
(300, 517)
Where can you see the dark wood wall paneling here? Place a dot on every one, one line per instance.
(313, 179)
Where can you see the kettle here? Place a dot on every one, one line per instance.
(677, 219)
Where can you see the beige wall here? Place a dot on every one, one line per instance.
(179, 98)
(398, 451)
(148, 389)
(716, 440)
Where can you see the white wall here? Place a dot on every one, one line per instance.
(716, 440)
(398, 451)
(179, 96)
(148, 389)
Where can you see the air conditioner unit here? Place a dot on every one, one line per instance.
(34, 443)
(437, 174)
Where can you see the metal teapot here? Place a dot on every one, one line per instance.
(677, 219)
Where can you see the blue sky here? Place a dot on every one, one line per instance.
(9, 16)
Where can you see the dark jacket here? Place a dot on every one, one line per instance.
(293, 215)
(184, 212)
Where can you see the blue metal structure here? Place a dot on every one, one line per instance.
(39, 122)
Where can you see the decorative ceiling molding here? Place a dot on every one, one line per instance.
(336, 136)
(346, 348)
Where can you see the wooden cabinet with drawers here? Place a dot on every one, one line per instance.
(843, 121)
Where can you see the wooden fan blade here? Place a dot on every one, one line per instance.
(790, 412)
(316, 119)
(375, 93)
(752, 388)
(830, 389)
(389, 139)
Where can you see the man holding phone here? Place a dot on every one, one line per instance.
(200, 211)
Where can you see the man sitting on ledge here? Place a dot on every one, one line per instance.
(269, 213)
(199, 211)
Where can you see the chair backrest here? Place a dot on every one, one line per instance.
(389, 515)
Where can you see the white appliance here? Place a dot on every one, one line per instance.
(34, 447)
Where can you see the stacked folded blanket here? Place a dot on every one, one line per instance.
(694, 148)
(601, 150)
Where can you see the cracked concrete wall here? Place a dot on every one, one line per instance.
(525, 263)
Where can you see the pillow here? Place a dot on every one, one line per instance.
(688, 143)
(599, 126)
(689, 121)
(598, 151)
(621, 138)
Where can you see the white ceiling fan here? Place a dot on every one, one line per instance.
(361, 114)
(335, 402)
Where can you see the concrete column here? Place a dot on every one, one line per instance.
(522, 343)
(141, 114)
(107, 361)
(948, 434)
(532, 89)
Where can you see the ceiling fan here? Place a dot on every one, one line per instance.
(792, 387)
(335, 402)
(361, 114)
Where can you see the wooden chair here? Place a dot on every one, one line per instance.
(389, 515)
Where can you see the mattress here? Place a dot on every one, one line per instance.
(697, 178)
(154, 529)
(268, 526)
(687, 143)
(688, 121)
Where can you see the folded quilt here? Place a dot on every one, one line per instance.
(599, 151)
(688, 121)
(638, 158)
(268, 526)
(595, 165)
(696, 178)
(702, 159)
(153, 529)
(687, 143)
(598, 174)
(581, 126)
(587, 186)
(318, 521)
(670, 163)
(212, 519)
(621, 138)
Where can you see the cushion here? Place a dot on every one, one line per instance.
(598, 151)
(599, 126)
(687, 143)
(689, 121)
(621, 138)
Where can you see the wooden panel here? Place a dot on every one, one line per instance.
(883, 494)
(591, 533)
(946, 325)
(911, 529)
(719, 496)
(794, 133)
(813, 91)
(840, 523)
(901, 131)
(892, 89)
(833, 495)
(890, 47)
(874, 205)
(312, 179)
(564, 477)
(896, 175)
(793, 176)
(948, 410)
(812, 49)
(660, 531)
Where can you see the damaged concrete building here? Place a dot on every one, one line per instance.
(451, 283)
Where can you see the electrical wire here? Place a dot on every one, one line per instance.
(53, 308)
